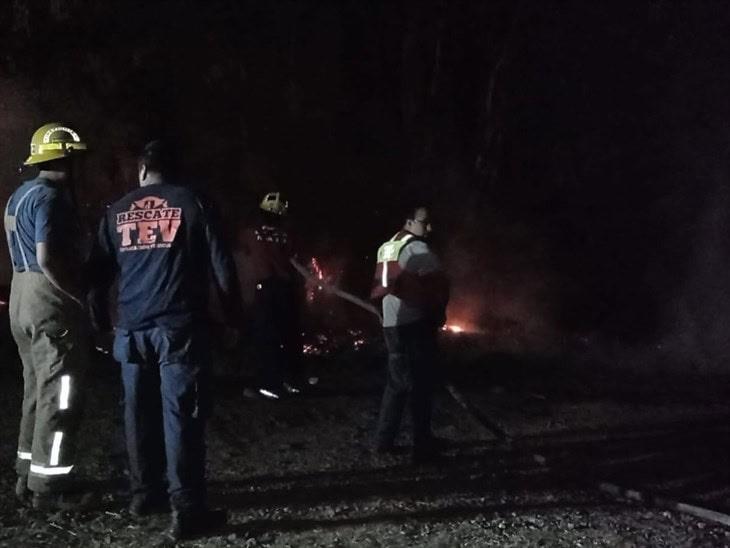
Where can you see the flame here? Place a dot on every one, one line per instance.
(316, 269)
(453, 328)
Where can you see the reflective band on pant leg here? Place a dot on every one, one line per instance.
(50, 471)
(65, 391)
(24, 455)
(385, 274)
(56, 448)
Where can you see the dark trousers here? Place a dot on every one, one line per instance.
(165, 407)
(411, 377)
(277, 332)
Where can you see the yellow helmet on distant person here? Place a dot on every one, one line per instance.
(52, 142)
(273, 203)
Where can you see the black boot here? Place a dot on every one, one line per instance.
(71, 502)
(22, 493)
(192, 523)
(144, 504)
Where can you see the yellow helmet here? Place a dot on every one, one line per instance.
(273, 203)
(52, 142)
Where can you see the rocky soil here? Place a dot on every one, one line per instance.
(299, 472)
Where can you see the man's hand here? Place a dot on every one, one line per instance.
(59, 274)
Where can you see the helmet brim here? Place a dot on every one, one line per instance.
(50, 155)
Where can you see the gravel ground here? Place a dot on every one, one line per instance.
(299, 472)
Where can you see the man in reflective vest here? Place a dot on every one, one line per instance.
(415, 292)
(47, 317)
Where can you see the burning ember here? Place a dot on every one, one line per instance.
(357, 337)
(321, 344)
(453, 328)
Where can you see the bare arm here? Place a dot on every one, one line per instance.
(56, 272)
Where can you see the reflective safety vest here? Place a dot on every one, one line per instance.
(388, 270)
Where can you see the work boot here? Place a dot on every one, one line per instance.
(144, 504)
(22, 493)
(193, 523)
(71, 502)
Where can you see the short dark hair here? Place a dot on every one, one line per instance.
(157, 155)
(410, 211)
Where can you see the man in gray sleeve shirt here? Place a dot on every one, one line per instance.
(414, 288)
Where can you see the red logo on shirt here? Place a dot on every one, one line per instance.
(149, 224)
(150, 202)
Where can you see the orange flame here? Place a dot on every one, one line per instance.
(318, 274)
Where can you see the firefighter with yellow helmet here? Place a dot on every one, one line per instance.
(277, 299)
(47, 316)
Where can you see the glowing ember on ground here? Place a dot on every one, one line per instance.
(358, 339)
(310, 349)
(321, 344)
(453, 328)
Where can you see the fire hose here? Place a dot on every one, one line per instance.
(489, 424)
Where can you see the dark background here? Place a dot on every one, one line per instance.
(575, 153)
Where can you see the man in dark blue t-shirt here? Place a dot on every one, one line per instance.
(164, 244)
(47, 317)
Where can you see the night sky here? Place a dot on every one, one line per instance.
(575, 153)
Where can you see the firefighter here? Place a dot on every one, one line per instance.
(414, 288)
(277, 299)
(47, 316)
(163, 242)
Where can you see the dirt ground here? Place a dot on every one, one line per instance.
(299, 472)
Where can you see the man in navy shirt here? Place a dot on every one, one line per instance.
(164, 244)
(47, 317)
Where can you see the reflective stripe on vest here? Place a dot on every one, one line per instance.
(390, 251)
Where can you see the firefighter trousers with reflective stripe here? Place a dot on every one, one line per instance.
(52, 337)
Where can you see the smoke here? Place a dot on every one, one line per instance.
(698, 330)
(594, 220)
(502, 284)
(16, 119)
